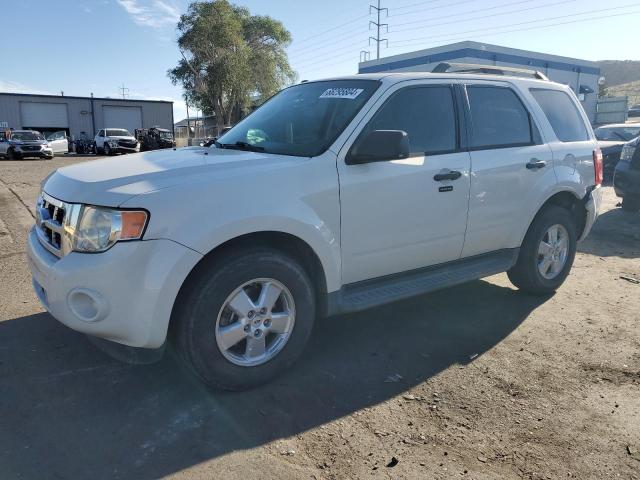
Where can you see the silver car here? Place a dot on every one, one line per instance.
(25, 143)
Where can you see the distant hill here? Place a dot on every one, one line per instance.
(619, 72)
(631, 90)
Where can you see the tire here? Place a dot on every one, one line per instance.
(107, 149)
(195, 329)
(631, 203)
(526, 274)
(11, 155)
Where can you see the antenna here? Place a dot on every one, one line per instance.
(377, 24)
(124, 91)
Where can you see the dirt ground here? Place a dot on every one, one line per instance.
(479, 382)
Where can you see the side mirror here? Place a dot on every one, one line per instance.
(379, 146)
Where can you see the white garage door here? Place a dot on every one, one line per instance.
(44, 115)
(122, 117)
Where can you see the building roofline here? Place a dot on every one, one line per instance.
(441, 52)
(45, 95)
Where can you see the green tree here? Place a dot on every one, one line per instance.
(228, 57)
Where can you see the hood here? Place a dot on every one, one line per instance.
(112, 181)
(122, 137)
(28, 142)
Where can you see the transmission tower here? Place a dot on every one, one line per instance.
(378, 9)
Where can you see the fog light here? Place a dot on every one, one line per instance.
(87, 305)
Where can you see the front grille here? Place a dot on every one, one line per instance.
(30, 148)
(50, 218)
(127, 143)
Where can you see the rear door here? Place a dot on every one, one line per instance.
(509, 162)
(395, 215)
(574, 143)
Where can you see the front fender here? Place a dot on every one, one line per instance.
(298, 197)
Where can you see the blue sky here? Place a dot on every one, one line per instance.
(95, 46)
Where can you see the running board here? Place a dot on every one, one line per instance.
(379, 291)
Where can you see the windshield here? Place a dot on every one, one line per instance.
(617, 134)
(302, 120)
(118, 132)
(166, 135)
(26, 136)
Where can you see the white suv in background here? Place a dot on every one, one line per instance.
(334, 196)
(110, 141)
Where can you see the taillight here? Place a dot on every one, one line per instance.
(597, 166)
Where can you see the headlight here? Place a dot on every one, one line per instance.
(627, 153)
(113, 143)
(98, 229)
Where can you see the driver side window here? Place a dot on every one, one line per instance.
(426, 114)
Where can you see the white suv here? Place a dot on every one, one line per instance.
(335, 196)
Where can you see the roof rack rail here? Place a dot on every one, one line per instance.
(446, 67)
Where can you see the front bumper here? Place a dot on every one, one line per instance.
(592, 205)
(626, 180)
(125, 294)
(43, 153)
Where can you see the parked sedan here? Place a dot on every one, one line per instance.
(626, 181)
(24, 143)
(611, 139)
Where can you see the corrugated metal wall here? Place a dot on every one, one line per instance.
(79, 111)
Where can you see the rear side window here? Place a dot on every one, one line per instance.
(499, 119)
(562, 113)
(426, 113)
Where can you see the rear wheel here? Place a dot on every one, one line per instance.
(245, 319)
(547, 253)
(631, 203)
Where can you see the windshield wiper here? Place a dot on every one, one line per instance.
(240, 146)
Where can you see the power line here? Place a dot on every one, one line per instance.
(536, 7)
(332, 29)
(468, 12)
(433, 8)
(378, 25)
(323, 44)
(320, 45)
(517, 24)
(526, 29)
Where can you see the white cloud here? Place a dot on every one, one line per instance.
(14, 87)
(155, 14)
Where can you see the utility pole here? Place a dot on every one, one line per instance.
(377, 24)
(125, 91)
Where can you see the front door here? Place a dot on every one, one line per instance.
(401, 215)
(58, 142)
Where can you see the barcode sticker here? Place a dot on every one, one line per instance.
(349, 93)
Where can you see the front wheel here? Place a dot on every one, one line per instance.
(107, 149)
(11, 154)
(244, 319)
(547, 253)
(631, 203)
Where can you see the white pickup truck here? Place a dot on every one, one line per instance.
(335, 196)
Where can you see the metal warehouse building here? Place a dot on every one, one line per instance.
(51, 113)
(581, 75)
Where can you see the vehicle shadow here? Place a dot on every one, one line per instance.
(70, 411)
(615, 234)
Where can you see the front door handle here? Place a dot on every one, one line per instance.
(535, 164)
(450, 175)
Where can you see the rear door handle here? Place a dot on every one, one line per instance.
(535, 164)
(450, 175)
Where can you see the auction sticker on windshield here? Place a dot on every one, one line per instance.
(349, 93)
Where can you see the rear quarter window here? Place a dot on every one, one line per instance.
(562, 113)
